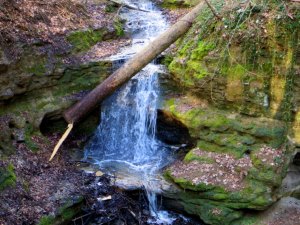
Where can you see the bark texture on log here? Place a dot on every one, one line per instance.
(132, 67)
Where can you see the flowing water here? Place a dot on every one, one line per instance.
(125, 139)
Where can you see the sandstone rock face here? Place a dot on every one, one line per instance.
(45, 66)
(39, 79)
(238, 95)
(22, 116)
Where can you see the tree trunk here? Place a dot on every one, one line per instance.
(132, 67)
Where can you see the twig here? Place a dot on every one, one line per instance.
(60, 142)
(133, 214)
(213, 10)
(118, 12)
(81, 217)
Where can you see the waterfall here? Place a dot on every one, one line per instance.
(125, 139)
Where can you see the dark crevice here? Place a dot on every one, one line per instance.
(52, 122)
(172, 131)
(296, 160)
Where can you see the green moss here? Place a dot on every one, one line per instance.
(47, 220)
(6, 146)
(52, 99)
(84, 40)
(234, 143)
(111, 7)
(187, 185)
(269, 174)
(237, 71)
(212, 212)
(7, 177)
(217, 123)
(199, 118)
(39, 68)
(26, 186)
(70, 209)
(211, 147)
(202, 50)
(194, 65)
(178, 3)
(248, 61)
(118, 25)
(199, 71)
(244, 84)
(248, 220)
(277, 132)
(167, 60)
(255, 195)
(191, 157)
(170, 104)
(83, 77)
(221, 131)
(65, 213)
(29, 132)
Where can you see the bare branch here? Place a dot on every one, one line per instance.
(213, 9)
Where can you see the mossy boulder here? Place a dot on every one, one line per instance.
(238, 95)
(65, 213)
(224, 131)
(220, 187)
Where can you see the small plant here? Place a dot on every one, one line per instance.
(7, 177)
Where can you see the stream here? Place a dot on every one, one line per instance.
(124, 143)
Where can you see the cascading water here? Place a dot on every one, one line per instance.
(125, 139)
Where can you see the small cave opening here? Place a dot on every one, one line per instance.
(172, 131)
(11, 124)
(296, 159)
(248, 152)
(52, 123)
(55, 123)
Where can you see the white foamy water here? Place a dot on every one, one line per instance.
(124, 142)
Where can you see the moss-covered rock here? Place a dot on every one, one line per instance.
(219, 187)
(43, 75)
(237, 95)
(64, 214)
(21, 118)
(84, 40)
(236, 65)
(223, 131)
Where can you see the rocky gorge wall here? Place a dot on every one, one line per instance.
(235, 86)
(39, 79)
(49, 58)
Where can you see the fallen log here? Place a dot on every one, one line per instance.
(82, 108)
(131, 67)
